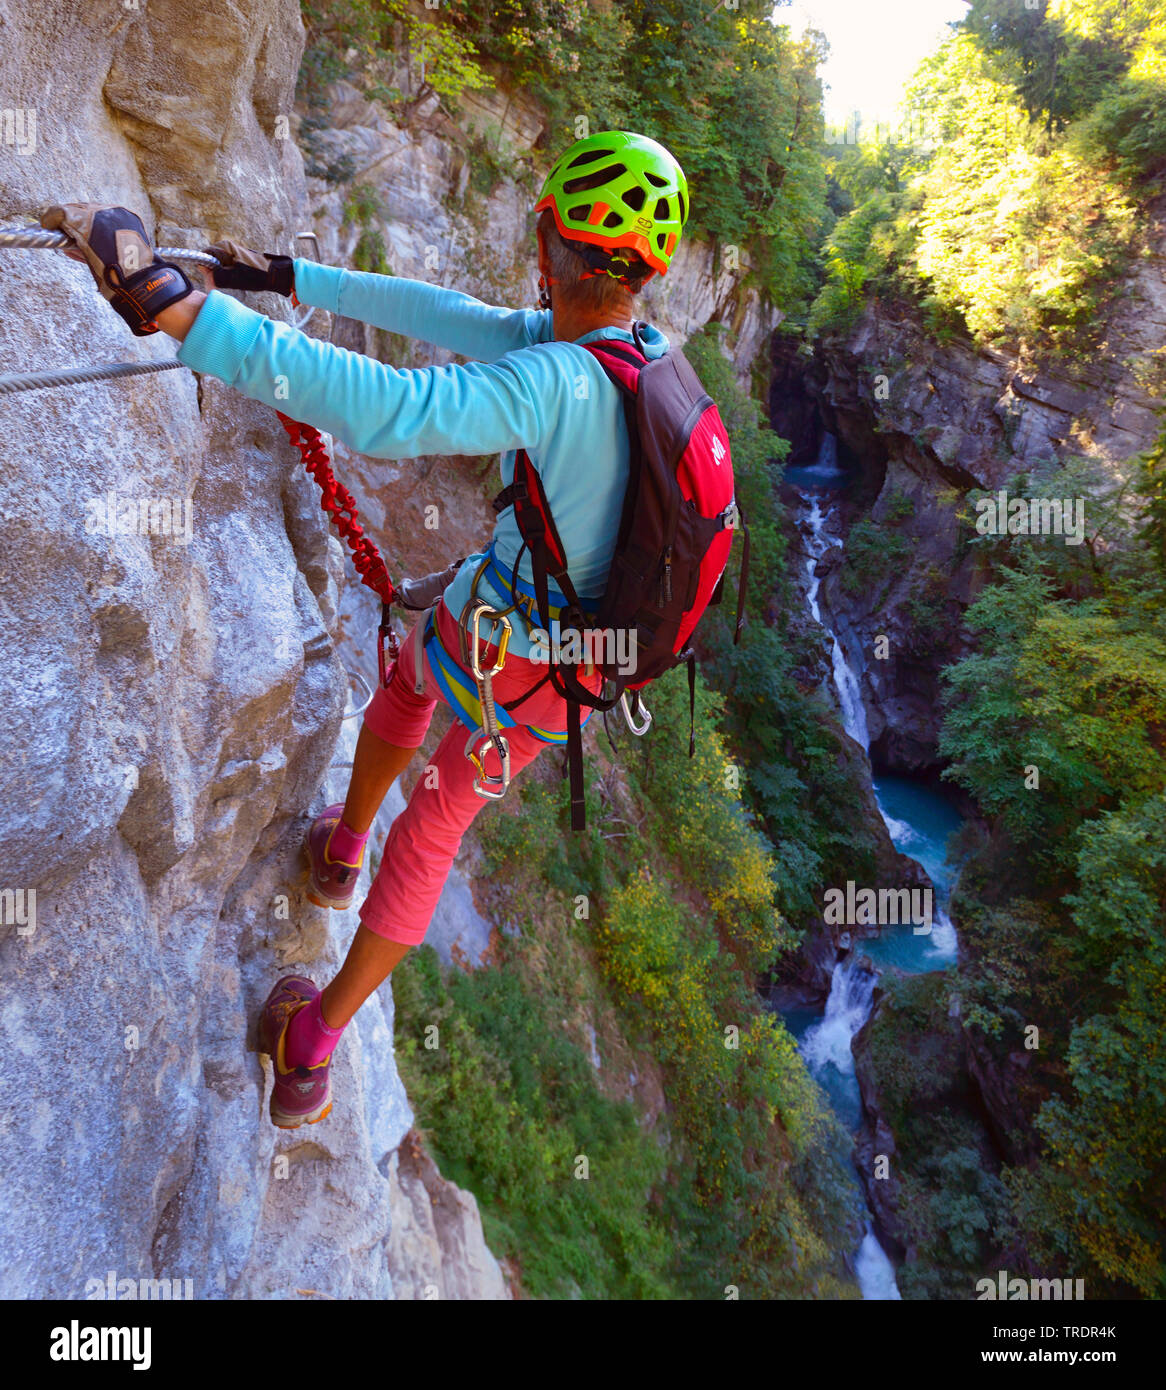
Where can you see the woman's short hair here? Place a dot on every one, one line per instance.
(600, 292)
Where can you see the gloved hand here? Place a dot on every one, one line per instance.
(242, 269)
(420, 594)
(113, 243)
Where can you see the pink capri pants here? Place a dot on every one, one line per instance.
(426, 836)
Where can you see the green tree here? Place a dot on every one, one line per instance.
(1101, 1192)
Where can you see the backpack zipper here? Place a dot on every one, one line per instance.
(666, 579)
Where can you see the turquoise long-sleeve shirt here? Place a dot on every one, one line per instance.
(524, 390)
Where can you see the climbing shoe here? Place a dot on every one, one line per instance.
(300, 1095)
(332, 881)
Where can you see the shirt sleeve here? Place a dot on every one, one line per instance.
(376, 409)
(428, 313)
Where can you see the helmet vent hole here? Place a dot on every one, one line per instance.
(661, 209)
(655, 180)
(579, 214)
(634, 197)
(589, 157)
(596, 179)
(660, 240)
(683, 206)
(613, 219)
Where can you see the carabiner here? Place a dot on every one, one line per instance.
(484, 780)
(477, 612)
(388, 648)
(643, 728)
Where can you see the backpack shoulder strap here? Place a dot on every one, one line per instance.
(622, 363)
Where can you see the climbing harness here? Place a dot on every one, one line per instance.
(466, 681)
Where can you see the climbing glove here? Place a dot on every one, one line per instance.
(241, 269)
(115, 246)
(420, 594)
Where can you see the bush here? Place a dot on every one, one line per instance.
(362, 208)
(872, 554)
(511, 1104)
(900, 507)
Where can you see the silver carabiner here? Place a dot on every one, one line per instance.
(485, 781)
(643, 728)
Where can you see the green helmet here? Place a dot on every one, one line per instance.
(618, 189)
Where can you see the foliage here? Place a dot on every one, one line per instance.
(511, 1104)
(1019, 232)
(955, 1206)
(900, 507)
(1063, 907)
(491, 161)
(369, 40)
(701, 819)
(872, 555)
(530, 39)
(1075, 691)
(1018, 969)
(926, 607)
(755, 1162)
(1097, 1198)
(1151, 484)
(864, 256)
(362, 208)
(1045, 129)
(1100, 62)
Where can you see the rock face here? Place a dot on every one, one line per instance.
(440, 1252)
(172, 698)
(920, 423)
(875, 1151)
(173, 694)
(433, 229)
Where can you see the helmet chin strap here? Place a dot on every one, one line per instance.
(544, 290)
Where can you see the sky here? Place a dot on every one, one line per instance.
(875, 45)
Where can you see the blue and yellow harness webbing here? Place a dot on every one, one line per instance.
(460, 690)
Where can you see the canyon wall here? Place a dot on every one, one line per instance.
(922, 421)
(171, 706)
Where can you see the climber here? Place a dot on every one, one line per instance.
(610, 215)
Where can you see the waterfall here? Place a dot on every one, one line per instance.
(824, 472)
(826, 1049)
(875, 1273)
(848, 1007)
(850, 698)
(818, 541)
(826, 1045)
